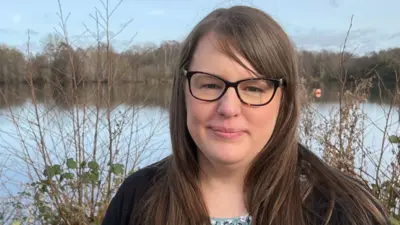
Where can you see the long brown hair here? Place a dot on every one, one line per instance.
(286, 184)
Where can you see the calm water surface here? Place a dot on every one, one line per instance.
(139, 126)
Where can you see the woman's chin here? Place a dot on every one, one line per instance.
(227, 156)
(225, 152)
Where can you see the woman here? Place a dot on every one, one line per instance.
(234, 118)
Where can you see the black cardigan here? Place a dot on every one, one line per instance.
(135, 186)
(129, 194)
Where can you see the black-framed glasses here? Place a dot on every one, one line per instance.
(253, 91)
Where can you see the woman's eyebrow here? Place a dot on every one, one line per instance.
(250, 74)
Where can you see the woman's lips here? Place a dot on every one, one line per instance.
(226, 132)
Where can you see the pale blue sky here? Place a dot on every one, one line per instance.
(312, 24)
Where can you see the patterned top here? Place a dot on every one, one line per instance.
(241, 220)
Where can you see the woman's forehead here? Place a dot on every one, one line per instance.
(209, 57)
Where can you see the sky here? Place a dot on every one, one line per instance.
(311, 24)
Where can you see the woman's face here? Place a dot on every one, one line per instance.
(226, 131)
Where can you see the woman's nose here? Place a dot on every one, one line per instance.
(229, 105)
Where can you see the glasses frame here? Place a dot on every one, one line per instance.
(276, 82)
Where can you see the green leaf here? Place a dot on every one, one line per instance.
(83, 164)
(68, 176)
(48, 172)
(117, 168)
(16, 222)
(394, 139)
(90, 177)
(51, 171)
(18, 205)
(24, 193)
(71, 164)
(93, 165)
(43, 188)
(93, 177)
(42, 209)
(57, 169)
(85, 177)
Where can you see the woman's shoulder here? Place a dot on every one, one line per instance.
(144, 176)
(130, 192)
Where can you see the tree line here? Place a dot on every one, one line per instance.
(60, 62)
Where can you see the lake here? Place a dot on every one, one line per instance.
(134, 118)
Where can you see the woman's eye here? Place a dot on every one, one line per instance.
(253, 89)
(212, 86)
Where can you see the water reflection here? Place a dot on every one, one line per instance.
(377, 94)
(102, 95)
(87, 94)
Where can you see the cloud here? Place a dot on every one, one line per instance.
(156, 12)
(334, 3)
(395, 35)
(16, 18)
(44, 19)
(11, 31)
(33, 32)
(361, 41)
(333, 39)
